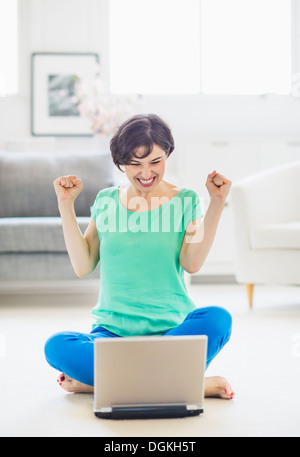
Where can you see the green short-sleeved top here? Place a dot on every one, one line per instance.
(142, 288)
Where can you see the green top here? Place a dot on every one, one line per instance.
(142, 288)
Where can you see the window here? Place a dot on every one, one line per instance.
(246, 46)
(154, 46)
(8, 47)
(194, 46)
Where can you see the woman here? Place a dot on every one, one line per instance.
(145, 235)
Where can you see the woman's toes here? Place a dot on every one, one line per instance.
(65, 382)
(218, 387)
(72, 386)
(61, 378)
(229, 394)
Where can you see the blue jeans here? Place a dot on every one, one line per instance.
(72, 353)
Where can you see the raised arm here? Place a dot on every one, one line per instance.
(200, 234)
(83, 250)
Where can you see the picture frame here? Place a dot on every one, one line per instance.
(53, 76)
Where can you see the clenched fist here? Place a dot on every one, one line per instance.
(218, 186)
(67, 188)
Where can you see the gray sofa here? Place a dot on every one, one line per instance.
(32, 246)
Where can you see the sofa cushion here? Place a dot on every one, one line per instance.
(34, 234)
(37, 266)
(276, 236)
(26, 180)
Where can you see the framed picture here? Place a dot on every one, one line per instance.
(54, 111)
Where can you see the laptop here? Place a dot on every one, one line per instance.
(149, 377)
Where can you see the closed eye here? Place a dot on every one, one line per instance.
(137, 164)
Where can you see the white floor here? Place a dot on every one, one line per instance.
(262, 361)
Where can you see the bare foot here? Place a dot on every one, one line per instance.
(218, 387)
(72, 386)
(214, 387)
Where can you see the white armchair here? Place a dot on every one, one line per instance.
(266, 213)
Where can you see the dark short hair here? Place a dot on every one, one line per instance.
(142, 130)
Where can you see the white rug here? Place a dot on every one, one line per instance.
(262, 362)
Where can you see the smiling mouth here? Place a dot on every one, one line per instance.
(147, 183)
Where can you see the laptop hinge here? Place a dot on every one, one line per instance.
(109, 409)
(193, 407)
(105, 410)
(148, 411)
(143, 412)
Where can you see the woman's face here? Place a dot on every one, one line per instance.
(146, 174)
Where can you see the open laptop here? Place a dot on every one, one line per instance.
(149, 377)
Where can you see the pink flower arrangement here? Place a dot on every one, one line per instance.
(104, 110)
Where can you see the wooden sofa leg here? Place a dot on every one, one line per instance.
(250, 288)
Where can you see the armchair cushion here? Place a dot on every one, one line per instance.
(266, 216)
(276, 236)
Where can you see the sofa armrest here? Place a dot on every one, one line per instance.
(268, 197)
(271, 196)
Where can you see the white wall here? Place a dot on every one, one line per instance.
(80, 25)
(237, 135)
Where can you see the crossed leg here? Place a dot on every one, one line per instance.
(72, 353)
